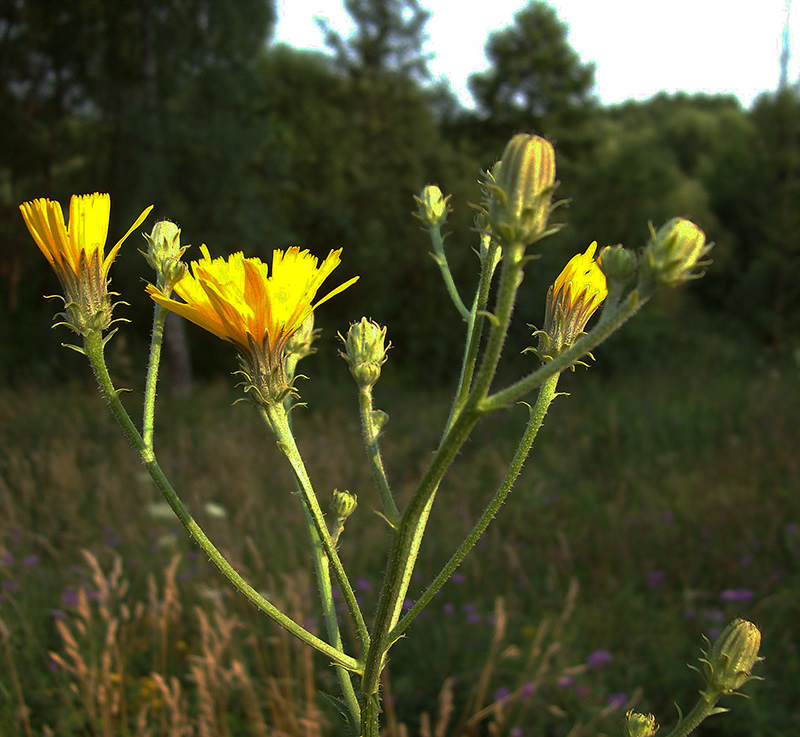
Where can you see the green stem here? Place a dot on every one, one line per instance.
(537, 414)
(610, 322)
(277, 418)
(408, 536)
(474, 331)
(370, 433)
(322, 568)
(94, 350)
(159, 316)
(704, 708)
(444, 267)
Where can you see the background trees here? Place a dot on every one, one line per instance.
(251, 146)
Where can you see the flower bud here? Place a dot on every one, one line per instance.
(640, 725)
(343, 504)
(524, 182)
(674, 250)
(164, 253)
(574, 297)
(433, 207)
(618, 264)
(300, 344)
(728, 665)
(365, 351)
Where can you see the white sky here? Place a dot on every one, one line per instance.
(639, 46)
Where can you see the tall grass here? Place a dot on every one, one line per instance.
(651, 512)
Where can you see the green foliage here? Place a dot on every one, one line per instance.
(536, 81)
(644, 498)
(388, 39)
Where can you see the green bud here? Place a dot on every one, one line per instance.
(618, 264)
(728, 665)
(164, 254)
(343, 504)
(433, 207)
(365, 351)
(300, 344)
(640, 725)
(674, 250)
(524, 182)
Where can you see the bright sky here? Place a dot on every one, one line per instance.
(639, 47)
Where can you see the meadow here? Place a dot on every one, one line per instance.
(660, 501)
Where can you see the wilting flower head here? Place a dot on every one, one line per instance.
(577, 292)
(77, 254)
(238, 300)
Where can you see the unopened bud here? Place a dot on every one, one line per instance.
(300, 344)
(164, 253)
(343, 504)
(365, 351)
(728, 665)
(524, 182)
(618, 264)
(674, 250)
(640, 725)
(433, 207)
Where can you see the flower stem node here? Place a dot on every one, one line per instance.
(433, 206)
(729, 663)
(618, 264)
(522, 190)
(76, 252)
(673, 252)
(365, 351)
(164, 254)
(639, 725)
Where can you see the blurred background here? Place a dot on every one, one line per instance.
(666, 490)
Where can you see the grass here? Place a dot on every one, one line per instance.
(653, 510)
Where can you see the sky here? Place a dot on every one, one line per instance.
(639, 47)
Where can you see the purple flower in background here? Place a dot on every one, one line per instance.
(362, 584)
(655, 579)
(747, 560)
(448, 608)
(10, 586)
(7, 559)
(70, 597)
(458, 578)
(501, 693)
(565, 682)
(407, 604)
(527, 690)
(56, 614)
(474, 618)
(617, 700)
(29, 561)
(517, 732)
(599, 658)
(736, 595)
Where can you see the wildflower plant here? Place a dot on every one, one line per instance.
(265, 311)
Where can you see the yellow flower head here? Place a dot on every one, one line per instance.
(77, 254)
(238, 300)
(577, 292)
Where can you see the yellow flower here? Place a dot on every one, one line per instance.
(577, 292)
(77, 254)
(238, 300)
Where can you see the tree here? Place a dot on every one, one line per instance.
(388, 38)
(536, 82)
